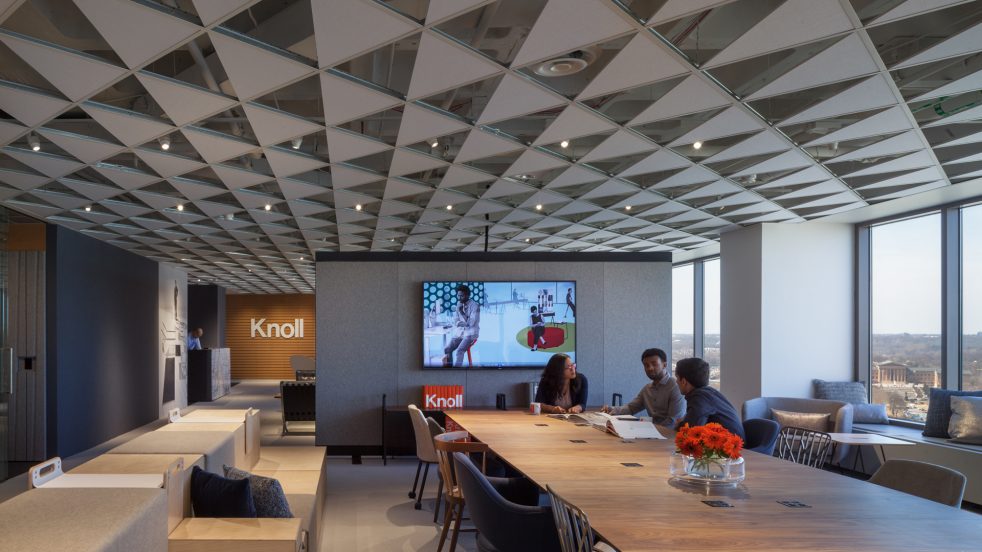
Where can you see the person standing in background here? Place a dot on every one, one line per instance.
(194, 339)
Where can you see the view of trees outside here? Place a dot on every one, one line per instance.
(972, 298)
(905, 289)
(711, 334)
(683, 302)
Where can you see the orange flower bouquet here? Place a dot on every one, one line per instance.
(708, 453)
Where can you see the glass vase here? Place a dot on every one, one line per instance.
(707, 470)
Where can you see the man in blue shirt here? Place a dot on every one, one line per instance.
(703, 403)
(194, 339)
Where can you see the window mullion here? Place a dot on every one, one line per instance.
(698, 309)
(951, 292)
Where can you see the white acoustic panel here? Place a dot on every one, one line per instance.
(344, 100)
(76, 75)
(137, 32)
(965, 42)
(642, 61)
(441, 65)
(574, 122)
(272, 126)
(480, 144)
(846, 59)
(516, 96)
(420, 123)
(182, 102)
(619, 144)
(343, 145)
(567, 25)
(84, 148)
(254, 70)
(129, 127)
(366, 26)
(30, 107)
(872, 93)
(692, 95)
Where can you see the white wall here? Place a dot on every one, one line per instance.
(788, 302)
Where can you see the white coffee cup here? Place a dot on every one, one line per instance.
(535, 408)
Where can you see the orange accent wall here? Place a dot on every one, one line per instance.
(267, 358)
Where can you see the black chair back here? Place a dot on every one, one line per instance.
(299, 401)
(761, 435)
(804, 446)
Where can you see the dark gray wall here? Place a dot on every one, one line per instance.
(206, 310)
(102, 341)
(369, 323)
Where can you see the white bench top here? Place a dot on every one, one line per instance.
(105, 481)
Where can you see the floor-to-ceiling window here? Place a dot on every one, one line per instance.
(696, 314)
(683, 338)
(971, 306)
(711, 324)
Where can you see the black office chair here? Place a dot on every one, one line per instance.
(299, 401)
(505, 524)
(761, 435)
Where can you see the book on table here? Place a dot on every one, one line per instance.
(624, 426)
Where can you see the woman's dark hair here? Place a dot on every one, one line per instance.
(552, 377)
(534, 308)
(694, 370)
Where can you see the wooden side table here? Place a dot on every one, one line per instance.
(238, 534)
(860, 439)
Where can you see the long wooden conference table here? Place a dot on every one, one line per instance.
(640, 509)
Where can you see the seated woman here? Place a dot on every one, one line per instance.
(538, 328)
(561, 389)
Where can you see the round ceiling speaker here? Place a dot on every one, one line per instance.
(570, 64)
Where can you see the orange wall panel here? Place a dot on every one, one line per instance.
(269, 357)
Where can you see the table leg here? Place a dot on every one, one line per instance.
(385, 458)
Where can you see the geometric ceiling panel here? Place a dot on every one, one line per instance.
(192, 189)
(910, 8)
(235, 178)
(365, 27)
(125, 177)
(916, 160)
(129, 127)
(91, 190)
(167, 164)
(574, 122)
(210, 11)
(640, 62)
(343, 145)
(254, 70)
(968, 83)
(288, 163)
(344, 100)
(970, 114)
(85, 148)
(30, 107)
(75, 75)
(567, 25)
(886, 122)
(901, 143)
(965, 42)
(441, 65)
(10, 131)
(421, 123)
(517, 96)
(674, 9)
(793, 159)
(439, 10)
(692, 95)
(534, 161)
(661, 160)
(22, 180)
(620, 143)
(54, 166)
(216, 147)
(136, 31)
(728, 123)
(844, 60)
(793, 22)
(758, 144)
(182, 102)
(870, 94)
(273, 127)
(409, 162)
(480, 144)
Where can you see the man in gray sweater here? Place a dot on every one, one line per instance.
(661, 398)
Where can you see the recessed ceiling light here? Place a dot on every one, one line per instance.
(538, 207)
(301, 258)
(164, 143)
(627, 208)
(88, 208)
(296, 142)
(526, 240)
(34, 141)
(434, 143)
(180, 206)
(564, 144)
(358, 207)
(697, 145)
(268, 207)
(449, 207)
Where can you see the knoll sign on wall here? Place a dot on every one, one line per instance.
(264, 331)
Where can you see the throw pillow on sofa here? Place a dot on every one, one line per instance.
(267, 493)
(939, 411)
(966, 420)
(215, 496)
(804, 420)
(870, 414)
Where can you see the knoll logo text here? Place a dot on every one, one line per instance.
(286, 330)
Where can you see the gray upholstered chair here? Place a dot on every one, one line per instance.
(573, 526)
(425, 452)
(929, 481)
(761, 435)
(840, 414)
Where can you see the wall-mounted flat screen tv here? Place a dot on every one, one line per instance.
(495, 325)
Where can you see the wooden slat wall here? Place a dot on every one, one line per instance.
(267, 358)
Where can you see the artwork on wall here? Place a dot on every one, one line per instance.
(172, 334)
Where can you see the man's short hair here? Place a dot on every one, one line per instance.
(465, 289)
(694, 370)
(654, 352)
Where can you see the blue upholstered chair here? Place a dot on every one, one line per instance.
(761, 435)
(505, 524)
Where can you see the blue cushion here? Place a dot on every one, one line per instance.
(939, 411)
(267, 494)
(215, 496)
(869, 414)
(852, 392)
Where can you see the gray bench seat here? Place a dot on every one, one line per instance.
(218, 447)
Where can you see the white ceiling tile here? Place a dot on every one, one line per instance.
(345, 100)
(347, 177)
(973, 158)
(965, 42)
(137, 31)
(480, 144)
(129, 127)
(968, 83)
(794, 22)
(408, 162)
(458, 175)
(438, 10)
(29, 106)
(272, 126)
(693, 95)
(886, 122)
(534, 161)
(788, 160)
(441, 65)
(343, 145)
(54, 166)
(297, 189)
(844, 60)
(255, 71)
(159, 202)
(397, 187)
(911, 8)
(210, 11)
(734, 120)
(662, 160)
(970, 114)
(182, 102)
(84, 148)
(193, 189)
(575, 121)
(758, 144)
(166, 164)
(235, 177)
(567, 25)
(10, 131)
(621, 143)
(216, 147)
(22, 180)
(421, 123)
(869, 94)
(516, 96)
(286, 162)
(74, 74)
(574, 175)
(91, 190)
(674, 9)
(916, 160)
(125, 177)
(641, 62)
(901, 143)
(365, 26)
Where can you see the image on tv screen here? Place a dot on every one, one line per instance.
(472, 325)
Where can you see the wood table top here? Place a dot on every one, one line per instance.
(641, 509)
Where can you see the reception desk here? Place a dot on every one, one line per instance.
(209, 374)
